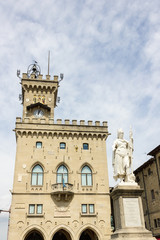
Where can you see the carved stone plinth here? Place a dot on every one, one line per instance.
(128, 213)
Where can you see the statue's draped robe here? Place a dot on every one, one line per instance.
(120, 158)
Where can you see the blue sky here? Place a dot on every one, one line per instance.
(109, 52)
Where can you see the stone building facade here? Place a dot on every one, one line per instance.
(61, 188)
(148, 177)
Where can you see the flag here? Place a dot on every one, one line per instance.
(64, 185)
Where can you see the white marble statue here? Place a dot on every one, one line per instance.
(122, 158)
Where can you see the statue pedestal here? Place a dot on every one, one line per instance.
(128, 213)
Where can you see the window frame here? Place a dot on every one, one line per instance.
(41, 205)
(88, 209)
(35, 207)
(29, 210)
(86, 178)
(63, 176)
(37, 143)
(38, 176)
(90, 212)
(85, 146)
(62, 145)
(84, 205)
(153, 195)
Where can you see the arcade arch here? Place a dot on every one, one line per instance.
(61, 235)
(34, 235)
(88, 234)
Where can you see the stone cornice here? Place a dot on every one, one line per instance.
(34, 127)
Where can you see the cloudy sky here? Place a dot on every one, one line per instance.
(109, 52)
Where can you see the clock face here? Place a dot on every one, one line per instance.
(38, 113)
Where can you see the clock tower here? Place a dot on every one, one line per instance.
(38, 95)
(60, 189)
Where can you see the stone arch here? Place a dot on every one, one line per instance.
(34, 233)
(104, 136)
(62, 233)
(43, 88)
(65, 135)
(48, 88)
(100, 136)
(24, 134)
(90, 136)
(34, 87)
(63, 163)
(95, 136)
(88, 232)
(39, 89)
(35, 134)
(29, 134)
(50, 135)
(18, 133)
(40, 134)
(60, 135)
(45, 135)
(37, 163)
(55, 135)
(70, 135)
(87, 164)
(85, 136)
(75, 135)
(80, 136)
(86, 175)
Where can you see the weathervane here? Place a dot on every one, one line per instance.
(34, 69)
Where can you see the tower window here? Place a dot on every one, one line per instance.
(85, 146)
(86, 176)
(62, 174)
(152, 194)
(155, 223)
(38, 144)
(37, 176)
(62, 145)
(149, 171)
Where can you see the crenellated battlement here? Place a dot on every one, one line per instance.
(61, 122)
(39, 77)
(51, 128)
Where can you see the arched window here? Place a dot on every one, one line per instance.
(62, 174)
(37, 175)
(86, 176)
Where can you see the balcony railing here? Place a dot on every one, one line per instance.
(62, 191)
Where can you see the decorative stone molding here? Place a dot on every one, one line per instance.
(58, 134)
(58, 129)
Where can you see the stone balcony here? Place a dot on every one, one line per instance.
(62, 192)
